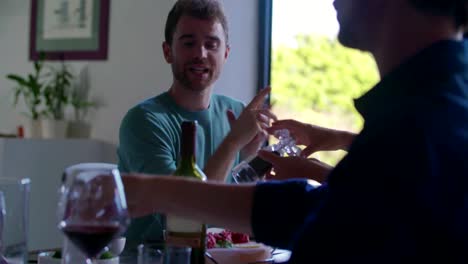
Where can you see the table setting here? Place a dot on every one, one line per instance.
(92, 215)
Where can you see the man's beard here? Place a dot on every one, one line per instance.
(182, 77)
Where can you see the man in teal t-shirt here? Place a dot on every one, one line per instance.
(150, 133)
(196, 47)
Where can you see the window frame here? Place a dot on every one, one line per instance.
(265, 15)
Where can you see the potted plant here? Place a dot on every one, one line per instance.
(80, 126)
(30, 88)
(56, 94)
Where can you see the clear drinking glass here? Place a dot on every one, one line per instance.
(14, 211)
(177, 255)
(93, 209)
(149, 254)
(2, 221)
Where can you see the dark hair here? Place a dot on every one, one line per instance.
(201, 9)
(450, 8)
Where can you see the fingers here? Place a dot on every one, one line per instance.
(260, 137)
(257, 142)
(307, 151)
(266, 114)
(289, 124)
(258, 100)
(252, 120)
(264, 118)
(285, 123)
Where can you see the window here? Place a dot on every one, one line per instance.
(314, 79)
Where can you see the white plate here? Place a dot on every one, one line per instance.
(237, 255)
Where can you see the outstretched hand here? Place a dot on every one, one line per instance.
(249, 130)
(296, 167)
(315, 138)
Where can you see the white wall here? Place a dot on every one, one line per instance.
(14, 27)
(135, 68)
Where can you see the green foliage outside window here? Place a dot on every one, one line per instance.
(316, 80)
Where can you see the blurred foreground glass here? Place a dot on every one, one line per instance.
(149, 254)
(70, 252)
(92, 207)
(14, 215)
(177, 255)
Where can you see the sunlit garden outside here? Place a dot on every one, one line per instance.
(314, 79)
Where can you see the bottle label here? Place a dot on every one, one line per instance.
(183, 232)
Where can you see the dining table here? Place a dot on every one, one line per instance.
(278, 256)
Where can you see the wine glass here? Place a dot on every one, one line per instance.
(93, 209)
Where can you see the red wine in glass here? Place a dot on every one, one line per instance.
(91, 239)
(93, 209)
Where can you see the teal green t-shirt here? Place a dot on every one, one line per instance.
(150, 143)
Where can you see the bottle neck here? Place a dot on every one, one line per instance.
(187, 162)
(187, 148)
(188, 144)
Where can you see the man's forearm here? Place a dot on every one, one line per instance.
(220, 163)
(341, 139)
(218, 204)
(346, 139)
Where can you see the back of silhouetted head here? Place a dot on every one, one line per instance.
(201, 9)
(458, 9)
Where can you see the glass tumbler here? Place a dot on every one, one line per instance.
(14, 214)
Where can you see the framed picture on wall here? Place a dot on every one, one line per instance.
(69, 29)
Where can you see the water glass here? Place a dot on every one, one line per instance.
(14, 209)
(177, 255)
(149, 254)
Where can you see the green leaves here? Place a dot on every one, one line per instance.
(224, 244)
(48, 90)
(320, 74)
(52, 87)
(20, 80)
(57, 91)
(316, 80)
(106, 255)
(81, 106)
(29, 88)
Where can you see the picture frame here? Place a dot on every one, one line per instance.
(69, 29)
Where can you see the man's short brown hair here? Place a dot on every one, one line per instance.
(458, 9)
(201, 9)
